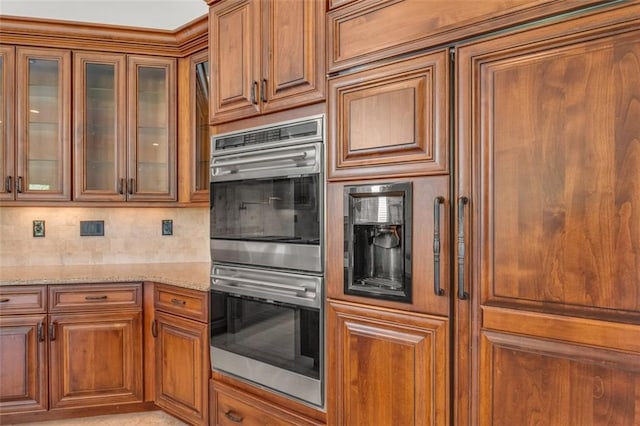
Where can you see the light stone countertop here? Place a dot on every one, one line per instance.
(195, 275)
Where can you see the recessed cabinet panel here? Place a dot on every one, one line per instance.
(99, 112)
(43, 130)
(390, 120)
(390, 368)
(152, 129)
(7, 142)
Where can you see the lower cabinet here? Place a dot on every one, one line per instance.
(231, 407)
(182, 352)
(386, 367)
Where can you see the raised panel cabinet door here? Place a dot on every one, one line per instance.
(292, 53)
(182, 367)
(43, 89)
(99, 108)
(549, 223)
(430, 267)
(152, 116)
(7, 103)
(386, 367)
(95, 359)
(23, 361)
(391, 120)
(234, 51)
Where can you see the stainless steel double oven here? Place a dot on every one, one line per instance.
(267, 209)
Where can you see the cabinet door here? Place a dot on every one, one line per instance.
(429, 268)
(234, 52)
(550, 163)
(182, 367)
(43, 124)
(7, 142)
(23, 375)
(95, 359)
(152, 129)
(99, 126)
(390, 120)
(386, 367)
(292, 53)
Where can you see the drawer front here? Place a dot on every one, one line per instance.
(182, 301)
(67, 298)
(23, 300)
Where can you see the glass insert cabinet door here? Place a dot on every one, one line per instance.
(99, 114)
(7, 143)
(199, 87)
(43, 124)
(152, 128)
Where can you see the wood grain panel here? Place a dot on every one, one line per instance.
(23, 375)
(529, 381)
(386, 367)
(390, 120)
(7, 116)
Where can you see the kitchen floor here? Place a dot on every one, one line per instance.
(153, 418)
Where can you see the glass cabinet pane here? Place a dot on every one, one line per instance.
(43, 148)
(101, 125)
(202, 126)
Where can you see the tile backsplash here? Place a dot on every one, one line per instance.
(131, 235)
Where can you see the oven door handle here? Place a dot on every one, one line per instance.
(295, 289)
(294, 156)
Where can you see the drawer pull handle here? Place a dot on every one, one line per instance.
(52, 331)
(178, 302)
(103, 297)
(154, 328)
(462, 295)
(233, 416)
(40, 332)
(436, 246)
(4, 300)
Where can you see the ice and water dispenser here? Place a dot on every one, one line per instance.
(378, 241)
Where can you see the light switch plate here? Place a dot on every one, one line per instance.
(38, 228)
(167, 227)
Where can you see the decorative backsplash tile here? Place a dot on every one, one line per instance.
(131, 235)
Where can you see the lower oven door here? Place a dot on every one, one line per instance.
(271, 341)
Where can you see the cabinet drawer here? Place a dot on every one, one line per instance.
(23, 300)
(182, 301)
(66, 298)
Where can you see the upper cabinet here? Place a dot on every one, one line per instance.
(361, 31)
(116, 159)
(35, 160)
(266, 56)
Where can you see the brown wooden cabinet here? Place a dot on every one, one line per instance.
(266, 56)
(95, 345)
(36, 158)
(390, 120)
(182, 352)
(125, 127)
(549, 162)
(386, 367)
(23, 354)
(230, 406)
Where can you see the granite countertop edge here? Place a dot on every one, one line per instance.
(192, 275)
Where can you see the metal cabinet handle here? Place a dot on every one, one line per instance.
(254, 89)
(233, 416)
(19, 184)
(132, 184)
(178, 302)
(52, 331)
(5, 300)
(154, 328)
(7, 184)
(462, 201)
(103, 297)
(40, 332)
(263, 90)
(121, 186)
(437, 202)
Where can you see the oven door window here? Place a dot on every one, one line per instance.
(282, 335)
(279, 210)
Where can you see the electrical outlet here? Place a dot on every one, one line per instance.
(92, 228)
(38, 228)
(167, 227)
